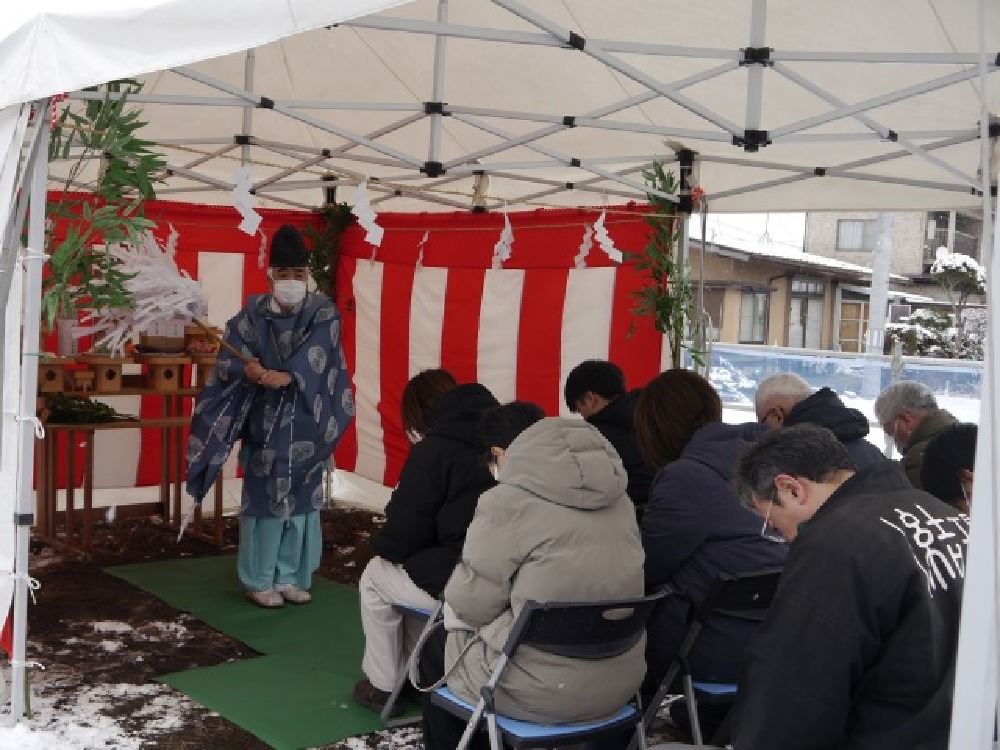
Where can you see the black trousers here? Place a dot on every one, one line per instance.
(442, 730)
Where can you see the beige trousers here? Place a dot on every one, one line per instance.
(389, 636)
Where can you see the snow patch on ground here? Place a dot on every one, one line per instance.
(73, 719)
(111, 626)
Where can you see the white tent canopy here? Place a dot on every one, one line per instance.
(46, 48)
(781, 105)
(786, 105)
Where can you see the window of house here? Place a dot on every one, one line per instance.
(753, 317)
(805, 320)
(856, 234)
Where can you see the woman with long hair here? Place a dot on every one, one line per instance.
(425, 523)
(694, 527)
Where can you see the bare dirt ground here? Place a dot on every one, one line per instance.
(93, 631)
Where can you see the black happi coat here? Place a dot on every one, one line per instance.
(439, 486)
(825, 409)
(858, 649)
(614, 421)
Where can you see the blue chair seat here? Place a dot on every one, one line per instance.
(409, 609)
(716, 688)
(531, 730)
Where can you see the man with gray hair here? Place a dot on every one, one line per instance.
(785, 399)
(858, 647)
(909, 414)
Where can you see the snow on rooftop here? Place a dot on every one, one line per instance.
(774, 235)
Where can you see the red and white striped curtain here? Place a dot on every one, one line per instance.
(518, 330)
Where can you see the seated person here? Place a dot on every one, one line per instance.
(595, 389)
(909, 414)
(694, 527)
(949, 463)
(426, 519)
(557, 527)
(858, 647)
(785, 399)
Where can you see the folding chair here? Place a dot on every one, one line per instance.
(591, 630)
(417, 613)
(741, 596)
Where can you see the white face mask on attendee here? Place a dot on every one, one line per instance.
(289, 292)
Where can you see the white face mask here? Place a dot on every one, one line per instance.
(289, 292)
(494, 470)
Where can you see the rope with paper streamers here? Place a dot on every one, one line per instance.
(420, 248)
(366, 216)
(160, 292)
(244, 201)
(580, 259)
(504, 247)
(605, 241)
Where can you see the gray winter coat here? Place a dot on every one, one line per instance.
(558, 527)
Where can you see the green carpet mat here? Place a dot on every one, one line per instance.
(298, 694)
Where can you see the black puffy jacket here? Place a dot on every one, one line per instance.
(439, 486)
(849, 426)
(614, 421)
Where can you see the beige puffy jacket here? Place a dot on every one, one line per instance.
(558, 527)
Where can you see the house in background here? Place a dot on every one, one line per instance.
(916, 237)
(775, 294)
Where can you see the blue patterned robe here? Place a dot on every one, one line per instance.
(288, 433)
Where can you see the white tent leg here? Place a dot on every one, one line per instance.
(26, 409)
(974, 712)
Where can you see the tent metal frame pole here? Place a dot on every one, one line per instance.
(852, 110)
(168, 142)
(569, 161)
(481, 33)
(387, 23)
(208, 157)
(540, 164)
(235, 101)
(864, 119)
(590, 122)
(583, 184)
(759, 186)
(592, 50)
(964, 135)
(632, 101)
(915, 58)
(437, 89)
(622, 104)
(308, 120)
(249, 64)
(557, 183)
(630, 127)
(844, 110)
(943, 186)
(302, 165)
(380, 186)
(15, 216)
(755, 73)
(344, 148)
(31, 300)
(168, 99)
(900, 154)
(397, 192)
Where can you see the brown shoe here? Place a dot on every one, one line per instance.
(369, 696)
